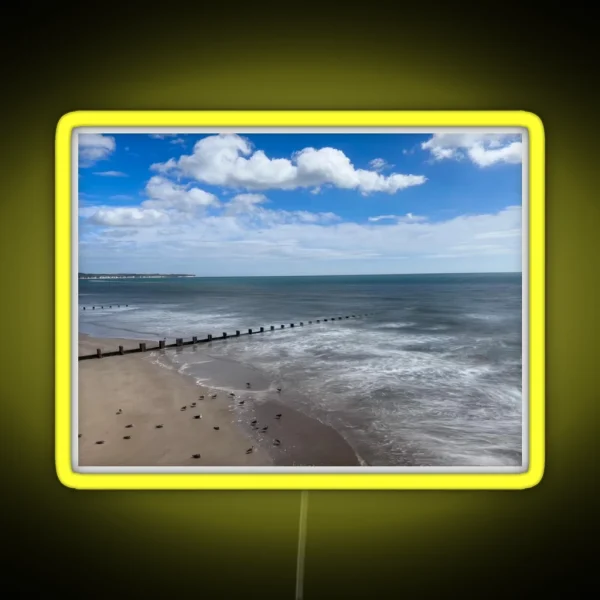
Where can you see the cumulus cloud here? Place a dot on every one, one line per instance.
(176, 204)
(230, 161)
(166, 202)
(244, 203)
(129, 216)
(164, 195)
(94, 147)
(380, 164)
(483, 149)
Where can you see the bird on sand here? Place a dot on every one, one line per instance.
(201, 397)
(232, 394)
(119, 411)
(214, 396)
(183, 408)
(276, 442)
(250, 450)
(253, 422)
(100, 442)
(279, 389)
(126, 437)
(265, 428)
(216, 428)
(241, 402)
(128, 426)
(158, 426)
(195, 456)
(196, 416)
(79, 435)
(247, 385)
(278, 416)
(193, 404)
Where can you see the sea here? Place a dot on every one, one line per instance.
(432, 377)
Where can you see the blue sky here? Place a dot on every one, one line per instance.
(286, 204)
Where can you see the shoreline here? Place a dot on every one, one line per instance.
(146, 393)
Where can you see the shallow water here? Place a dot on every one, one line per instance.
(432, 377)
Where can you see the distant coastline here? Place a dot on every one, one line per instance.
(131, 275)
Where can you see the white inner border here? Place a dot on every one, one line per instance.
(274, 130)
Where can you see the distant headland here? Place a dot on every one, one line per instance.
(131, 275)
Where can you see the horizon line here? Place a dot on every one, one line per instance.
(191, 276)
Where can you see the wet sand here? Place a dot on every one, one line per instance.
(132, 390)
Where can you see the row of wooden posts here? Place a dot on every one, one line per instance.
(108, 306)
(179, 342)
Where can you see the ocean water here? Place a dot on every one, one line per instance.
(433, 377)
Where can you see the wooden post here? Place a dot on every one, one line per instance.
(209, 337)
(272, 327)
(179, 341)
(318, 320)
(224, 334)
(84, 308)
(195, 339)
(250, 331)
(301, 324)
(142, 346)
(310, 322)
(283, 327)
(99, 353)
(325, 320)
(121, 350)
(291, 324)
(262, 329)
(93, 308)
(237, 333)
(161, 344)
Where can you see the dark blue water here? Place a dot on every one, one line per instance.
(433, 377)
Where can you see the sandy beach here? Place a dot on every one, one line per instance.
(148, 415)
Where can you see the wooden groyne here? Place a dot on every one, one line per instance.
(104, 306)
(180, 342)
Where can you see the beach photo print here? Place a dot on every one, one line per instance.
(299, 300)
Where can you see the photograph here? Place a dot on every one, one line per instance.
(272, 300)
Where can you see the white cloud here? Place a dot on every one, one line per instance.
(94, 147)
(164, 195)
(111, 174)
(245, 203)
(167, 202)
(129, 217)
(507, 233)
(254, 239)
(162, 136)
(230, 161)
(483, 149)
(380, 164)
(177, 141)
(408, 218)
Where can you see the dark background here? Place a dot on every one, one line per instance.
(243, 544)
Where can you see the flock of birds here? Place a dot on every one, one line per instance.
(253, 423)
